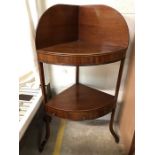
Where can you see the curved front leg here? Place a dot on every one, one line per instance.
(111, 126)
(47, 120)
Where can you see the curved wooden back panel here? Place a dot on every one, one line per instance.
(98, 24)
(101, 24)
(57, 25)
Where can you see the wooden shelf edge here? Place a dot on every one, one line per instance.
(78, 53)
(80, 102)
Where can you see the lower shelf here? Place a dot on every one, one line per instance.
(80, 102)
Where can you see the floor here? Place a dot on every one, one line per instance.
(71, 138)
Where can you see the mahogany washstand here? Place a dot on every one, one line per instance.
(81, 36)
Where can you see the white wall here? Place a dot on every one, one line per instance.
(27, 54)
(26, 63)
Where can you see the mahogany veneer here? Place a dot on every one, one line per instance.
(81, 53)
(81, 36)
(80, 102)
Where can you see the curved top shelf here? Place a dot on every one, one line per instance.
(81, 53)
(81, 35)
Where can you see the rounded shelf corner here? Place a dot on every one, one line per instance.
(77, 103)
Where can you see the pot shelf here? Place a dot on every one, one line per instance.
(80, 102)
